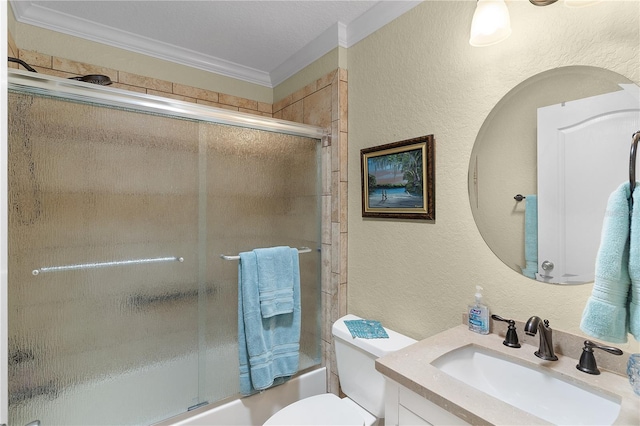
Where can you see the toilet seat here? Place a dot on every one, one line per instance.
(324, 409)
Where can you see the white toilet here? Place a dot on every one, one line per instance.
(363, 385)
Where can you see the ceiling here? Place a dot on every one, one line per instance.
(263, 42)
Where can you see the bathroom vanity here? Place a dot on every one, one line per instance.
(449, 378)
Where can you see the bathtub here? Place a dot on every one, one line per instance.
(106, 404)
(256, 409)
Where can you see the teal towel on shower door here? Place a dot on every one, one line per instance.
(606, 314)
(268, 348)
(277, 269)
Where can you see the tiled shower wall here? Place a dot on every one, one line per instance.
(322, 103)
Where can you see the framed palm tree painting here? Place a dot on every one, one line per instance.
(398, 179)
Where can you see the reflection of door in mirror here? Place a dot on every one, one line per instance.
(583, 156)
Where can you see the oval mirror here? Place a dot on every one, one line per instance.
(504, 163)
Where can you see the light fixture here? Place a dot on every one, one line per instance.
(543, 2)
(490, 24)
(568, 3)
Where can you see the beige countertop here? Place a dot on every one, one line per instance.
(411, 367)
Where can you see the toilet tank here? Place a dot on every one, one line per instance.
(356, 357)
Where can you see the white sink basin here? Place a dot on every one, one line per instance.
(538, 391)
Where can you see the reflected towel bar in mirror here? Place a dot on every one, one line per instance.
(300, 250)
(104, 264)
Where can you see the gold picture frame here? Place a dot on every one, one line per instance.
(398, 180)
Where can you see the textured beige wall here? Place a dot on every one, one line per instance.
(29, 37)
(419, 75)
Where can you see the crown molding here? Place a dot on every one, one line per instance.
(342, 35)
(338, 34)
(34, 14)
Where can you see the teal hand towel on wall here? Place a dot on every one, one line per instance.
(278, 267)
(606, 314)
(268, 348)
(531, 236)
(634, 265)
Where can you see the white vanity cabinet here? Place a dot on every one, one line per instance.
(405, 407)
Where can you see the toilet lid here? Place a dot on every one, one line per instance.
(325, 409)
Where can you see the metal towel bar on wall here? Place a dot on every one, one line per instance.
(104, 264)
(632, 160)
(300, 250)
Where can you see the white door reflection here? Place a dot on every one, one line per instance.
(583, 156)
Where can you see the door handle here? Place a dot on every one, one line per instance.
(547, 266)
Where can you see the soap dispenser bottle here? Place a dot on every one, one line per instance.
(479, 314)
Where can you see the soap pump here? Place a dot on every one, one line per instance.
(479, 314)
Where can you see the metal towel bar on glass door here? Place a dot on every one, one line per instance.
(104, 264)
(300, 250)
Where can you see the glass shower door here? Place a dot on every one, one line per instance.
(262, 190)
(121, 310)
(103, 264)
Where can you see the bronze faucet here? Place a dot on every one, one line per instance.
(545, 349)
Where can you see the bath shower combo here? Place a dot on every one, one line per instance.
(120, 308)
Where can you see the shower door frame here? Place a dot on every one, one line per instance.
(85, 92)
